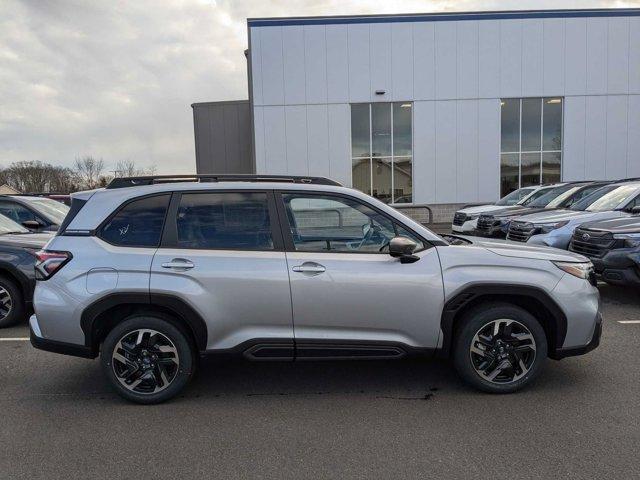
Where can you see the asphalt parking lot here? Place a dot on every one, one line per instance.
(403, 419)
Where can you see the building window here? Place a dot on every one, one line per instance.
(381, 150)
(531, 142)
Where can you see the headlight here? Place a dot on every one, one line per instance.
(580, 270)
(631, 240)
(548, 227)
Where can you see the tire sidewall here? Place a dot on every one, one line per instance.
(17, 305)
(473, 322)
(173, 333)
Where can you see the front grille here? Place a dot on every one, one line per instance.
(591, 243)
(520, 231)
(459, 218)
(487, 222)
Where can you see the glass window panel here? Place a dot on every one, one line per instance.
(361, 175)
(381, 129)
(138, 223)
(510, 125)
(552, 124)
(402, 129)
(508, 173)
(402, 180)
(381, 178)
(531, 118)
(551, 167)
(238, 221)
(360, 130)
(530, 169)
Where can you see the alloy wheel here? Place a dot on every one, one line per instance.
(145, 361)
(6, 303)
(503, 351)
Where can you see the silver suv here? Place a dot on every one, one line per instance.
(151, 273)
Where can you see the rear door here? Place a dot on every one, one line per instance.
(222, 253)
(348, 294)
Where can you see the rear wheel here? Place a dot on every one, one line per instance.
(147, 359)
(12, 308)
(500, 348)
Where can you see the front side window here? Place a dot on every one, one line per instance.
(531, 142)
(381, 150)
(224, 221)
(325, 223)
(137, 224)
(18, 213)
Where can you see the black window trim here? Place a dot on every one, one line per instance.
(98, 231)
(170, 231)
(286, 227)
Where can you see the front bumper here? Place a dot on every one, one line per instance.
(561, 353)
(41, 343)
(620, 266)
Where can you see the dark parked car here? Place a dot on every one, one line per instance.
(38, 214)
(17, 258)
(613, 247)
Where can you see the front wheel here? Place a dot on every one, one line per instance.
(500, 348)
(147, 359)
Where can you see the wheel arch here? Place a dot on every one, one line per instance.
(104, 314)
(12, 273)
(532, 299)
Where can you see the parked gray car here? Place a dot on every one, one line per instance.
(555, 228)
(150, 273)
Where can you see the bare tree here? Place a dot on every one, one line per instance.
(89, 169)
(128, 168)
(29, 176)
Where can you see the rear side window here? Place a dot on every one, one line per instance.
(137, 224)
(231, 221)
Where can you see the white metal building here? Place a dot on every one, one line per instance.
(447, 108)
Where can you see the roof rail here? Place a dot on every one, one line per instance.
(123, 182)
(630, 179)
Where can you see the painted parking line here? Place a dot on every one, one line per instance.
(15, 339)
(626, 322)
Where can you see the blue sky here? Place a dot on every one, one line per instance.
(116, 79)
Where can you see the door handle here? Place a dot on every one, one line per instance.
(309, 267)
(179, 263)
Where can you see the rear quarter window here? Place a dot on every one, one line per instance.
(138, 223)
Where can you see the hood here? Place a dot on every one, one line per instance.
(551, 216)
(480, 209)
(524, 250)
(630, 224)
(518, 211)
(28, 240)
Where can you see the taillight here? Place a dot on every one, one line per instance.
(49, 262)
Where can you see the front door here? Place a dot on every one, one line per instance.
(346, 289)
(222, 253)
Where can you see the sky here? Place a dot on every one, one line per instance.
(116, 79)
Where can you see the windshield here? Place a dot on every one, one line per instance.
(514, 197)
(534, 196)
(544, 200)
(583, 203)
(614, 199)
(9, 226)
(53, 209)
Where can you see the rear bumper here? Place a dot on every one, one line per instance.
(41, 343)
(575, 351)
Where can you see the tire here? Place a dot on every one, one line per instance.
(12, 308)
(147, 359)
(502, 362)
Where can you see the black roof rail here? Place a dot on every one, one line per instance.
(123, 182)
(630, 179)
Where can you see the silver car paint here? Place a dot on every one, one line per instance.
(246, 295)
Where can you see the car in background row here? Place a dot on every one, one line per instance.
(18, 247)
(555, 228)
(554, 197)
(613, 246)
(38, 214)
(464, 220)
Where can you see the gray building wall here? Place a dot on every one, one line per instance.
(223, 137)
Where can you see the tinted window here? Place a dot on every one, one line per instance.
(138, 223)
(17, 212)
(52, 209)
(325, 223)
(238, 221)
(514, 197)
(549, 196)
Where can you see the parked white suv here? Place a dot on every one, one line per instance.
(152, 272)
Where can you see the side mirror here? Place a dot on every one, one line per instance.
(403, 248)
(32, 224)
(635, 210)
